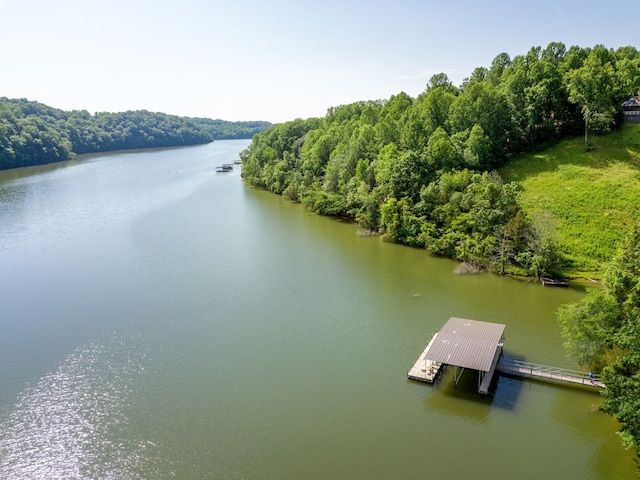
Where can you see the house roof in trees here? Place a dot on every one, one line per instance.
(632, 102)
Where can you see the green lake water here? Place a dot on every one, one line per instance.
(163, 321)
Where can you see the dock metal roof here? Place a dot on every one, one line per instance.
(466, 343)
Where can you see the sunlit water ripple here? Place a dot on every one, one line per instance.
(71, 423)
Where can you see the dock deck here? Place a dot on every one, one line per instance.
(425, 370)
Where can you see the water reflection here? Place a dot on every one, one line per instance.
(462, 401)
(72, 422)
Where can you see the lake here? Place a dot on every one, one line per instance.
(161, 320)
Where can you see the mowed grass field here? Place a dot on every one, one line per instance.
(593, 196)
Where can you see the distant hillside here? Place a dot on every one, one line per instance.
(32, 133)
(592, 196)
(224, 130)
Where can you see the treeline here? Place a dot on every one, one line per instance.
(225, 130)
(421, 171)
(32, 133)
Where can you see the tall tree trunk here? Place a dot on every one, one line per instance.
(586, 128)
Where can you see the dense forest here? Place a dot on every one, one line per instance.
(32, 133)
(223, 129)
(422, 171)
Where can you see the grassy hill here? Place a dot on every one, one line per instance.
(593, 196)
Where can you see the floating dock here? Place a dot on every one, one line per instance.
(425, 370)
(474, 345)
(554, 282)
(465, 344)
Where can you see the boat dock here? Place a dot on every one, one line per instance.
(465, 344)
(425, 370)
(474, 345)
(554, 282)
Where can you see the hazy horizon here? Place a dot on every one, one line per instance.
(277, 61)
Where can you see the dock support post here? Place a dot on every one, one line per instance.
(457, 377)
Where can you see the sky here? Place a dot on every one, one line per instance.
(274, 60)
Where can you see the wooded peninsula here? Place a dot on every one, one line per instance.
(32, 133)
(503, 173)
(433, 171)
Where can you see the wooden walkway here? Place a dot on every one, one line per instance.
(425, 370)
(543, 372)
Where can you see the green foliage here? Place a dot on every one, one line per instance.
(134, 129)
(283, 142)
(471, 216)
(400, 223)
(589, 327)
(32, 133)
(485, 105)
(30, 139)
(441, 152)
(592, 196)
(604, 329)
(600, 85)
(416, 170)
(225, 130)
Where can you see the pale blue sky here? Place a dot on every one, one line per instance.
(274, 60)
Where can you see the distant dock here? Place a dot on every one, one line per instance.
(554, 282)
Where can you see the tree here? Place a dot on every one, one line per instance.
(484, 105)
(434, 106)
(498, 65)
(388, 126)
(388, 156)
(589, 328)
(593, 88)
(554, 53)
(604, 329)
(441, 80)
(476, 152)
(511, 238)
(441, 152)
(542, 258)
(400, 223)
(477, 76)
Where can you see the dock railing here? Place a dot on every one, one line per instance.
(518, 367)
